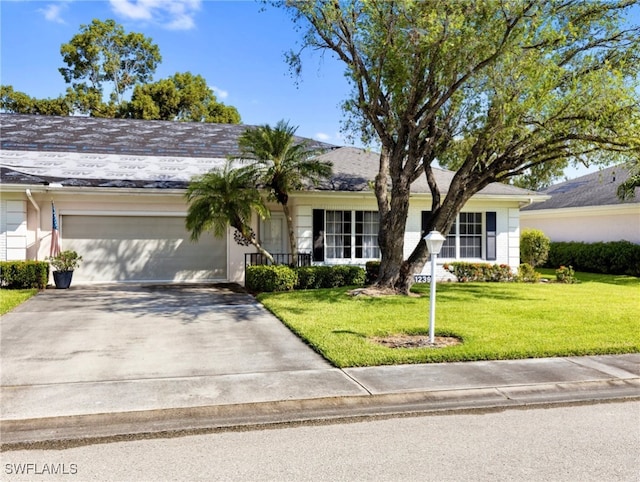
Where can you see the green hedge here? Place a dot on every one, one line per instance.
(270, 278)
(24, 274)
(464, 271)
(283, 278)
(616, 257)
(314, 277)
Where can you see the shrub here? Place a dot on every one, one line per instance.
(464, 271)
(65, 261)
(355, 276)
(566, 274)
(534, 247)
(615, 257)
(24, 274)
(527, 274)
(372, 269)
(499, 272)
(313, 277)
(264, 278)
(308, 278)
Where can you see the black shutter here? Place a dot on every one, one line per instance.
(426, 215)
(318, 234)
(491, 236)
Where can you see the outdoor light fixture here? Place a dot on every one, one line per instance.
(434, 241)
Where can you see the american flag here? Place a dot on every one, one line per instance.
(55, 234)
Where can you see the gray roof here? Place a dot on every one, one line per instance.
(595, 189)
(354, 169)
(87, 151)
(92, 152)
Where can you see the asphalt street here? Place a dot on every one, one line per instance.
(593, 442)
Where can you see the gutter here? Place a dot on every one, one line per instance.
(526, 204)
(35, 205)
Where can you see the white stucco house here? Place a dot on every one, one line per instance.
(118, 187)
(587, 209)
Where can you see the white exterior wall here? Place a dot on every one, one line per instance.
(303, 215)
(25, 235)
(513, 238)
(590, 225)
(507, 225)
(13, 228)
(3, 229)
(507, 234)
(235, 255)
(23, 228)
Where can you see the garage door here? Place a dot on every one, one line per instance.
(141, 248)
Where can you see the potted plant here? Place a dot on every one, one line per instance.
(63, 264)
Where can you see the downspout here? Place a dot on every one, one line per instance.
(35, 205)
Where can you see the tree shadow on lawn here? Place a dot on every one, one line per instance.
(619, 280)
(493, 291)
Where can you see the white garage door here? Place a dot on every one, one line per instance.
(141, 248)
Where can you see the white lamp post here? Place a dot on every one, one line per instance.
(434, 241)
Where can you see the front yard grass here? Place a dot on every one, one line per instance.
(9, 299)
(600, 315)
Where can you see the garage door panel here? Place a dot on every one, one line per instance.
(136, 248)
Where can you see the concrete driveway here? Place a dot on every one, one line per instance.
(93, 349)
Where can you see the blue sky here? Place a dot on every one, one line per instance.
(237, 46)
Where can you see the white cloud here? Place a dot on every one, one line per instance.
(170, 14)
(53, 12)
(220, 94)
(321, 136)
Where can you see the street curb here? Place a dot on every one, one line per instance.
(77, 430)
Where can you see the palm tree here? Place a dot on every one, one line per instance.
(226, 197)
(282, 165)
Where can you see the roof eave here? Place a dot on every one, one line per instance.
(39, 188)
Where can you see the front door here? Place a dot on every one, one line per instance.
(273, 234)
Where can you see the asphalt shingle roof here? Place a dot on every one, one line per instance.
(86, 151)
(354, 169)
(595, 189)
(92, 152)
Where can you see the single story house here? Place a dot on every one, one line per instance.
(118, 187)
(587, 209)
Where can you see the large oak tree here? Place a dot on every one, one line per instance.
(182, 97)
(103, 56)
(104, 64)
(495, 89)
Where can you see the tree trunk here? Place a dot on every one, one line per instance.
(393, 209)
(442, 218)
(263, 251)
(293, 244)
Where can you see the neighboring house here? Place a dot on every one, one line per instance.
(587, 209)
(119, 192)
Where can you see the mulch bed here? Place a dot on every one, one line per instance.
(416, 341)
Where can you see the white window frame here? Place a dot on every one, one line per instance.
(333, 248)
(455, 236)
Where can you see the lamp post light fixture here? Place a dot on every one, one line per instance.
(434, 241)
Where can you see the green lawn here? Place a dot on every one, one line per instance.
(494, 320)
(9, 299)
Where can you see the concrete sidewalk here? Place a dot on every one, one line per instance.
(119, 362)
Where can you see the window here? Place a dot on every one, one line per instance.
(345, 239)
(464, 239)
(449, 246)
(338, 228)
(470, 235)
(367, 234)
